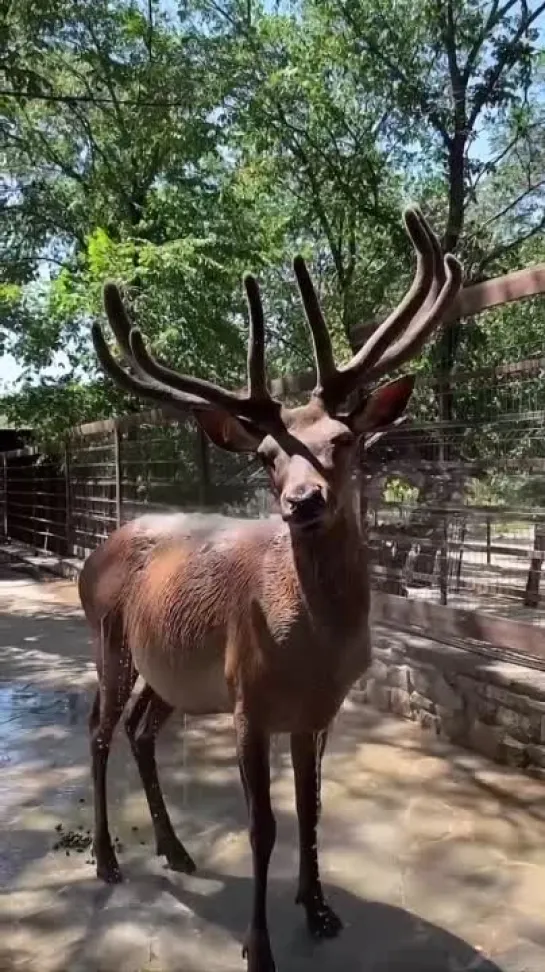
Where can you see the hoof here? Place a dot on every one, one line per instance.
(257, 952)
(322, 921)
(109, 872)
(108, 869)
(177, 857)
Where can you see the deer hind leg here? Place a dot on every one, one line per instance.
(253, 758)
(116, 679)
(143, 720)
(307, 750)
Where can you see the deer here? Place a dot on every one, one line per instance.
(266, 619)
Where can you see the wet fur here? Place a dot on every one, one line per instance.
(261, 618)
(213, 608)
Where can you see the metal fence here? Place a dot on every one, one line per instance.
(67, 500)
(455, 509)
(457, 501)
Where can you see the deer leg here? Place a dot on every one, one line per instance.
(253, 758)
(106, 710)
(143, 721)
(307, 750)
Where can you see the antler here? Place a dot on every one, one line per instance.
(402, 334)
(158, 383)
(435, 286)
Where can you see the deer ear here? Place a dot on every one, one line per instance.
(384, 407)
(228, 432)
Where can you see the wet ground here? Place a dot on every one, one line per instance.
(434, 858)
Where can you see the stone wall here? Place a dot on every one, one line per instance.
(494, 707)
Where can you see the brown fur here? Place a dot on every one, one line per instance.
(245, 603)
(265, 619)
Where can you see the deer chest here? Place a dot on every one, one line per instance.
(306, 674)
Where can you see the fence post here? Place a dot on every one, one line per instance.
(5, 475)
(67, 500)
(443, 564)
(488, 540)
(531, 595)
(118, 483)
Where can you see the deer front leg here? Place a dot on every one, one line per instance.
(253, 758)
(307, 750)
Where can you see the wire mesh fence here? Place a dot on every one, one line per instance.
(66, 501)
(456, 507)
(455, 500)
(34, 499)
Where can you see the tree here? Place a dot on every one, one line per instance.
(114, 167)
(303, 130)
(463, 80)
(175, 154)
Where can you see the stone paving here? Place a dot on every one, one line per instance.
(434, 858)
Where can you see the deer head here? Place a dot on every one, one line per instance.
(307, 450)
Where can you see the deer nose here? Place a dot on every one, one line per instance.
(305, 502)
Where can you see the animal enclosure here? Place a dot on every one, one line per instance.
(455, 500)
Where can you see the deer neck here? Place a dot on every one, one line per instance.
(331, 568)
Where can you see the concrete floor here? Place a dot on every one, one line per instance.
(434, 858)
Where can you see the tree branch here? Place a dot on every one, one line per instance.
(514, 203)
(108, 79)
(457, 84)
(482, 97)
(50, 153)
(504, 248)
(395, 70)
(322, 215)
(495, 15)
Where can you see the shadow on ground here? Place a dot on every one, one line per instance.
(434, 858)
(202, 928)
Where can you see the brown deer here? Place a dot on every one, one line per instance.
(266, 619)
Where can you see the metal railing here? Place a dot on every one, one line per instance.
(67, 500)
(456, 508)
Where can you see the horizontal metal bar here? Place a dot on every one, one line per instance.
(90, 533)
(84, 450)
(78, 497)
(151, 461)
(32, 504)
(90, 518)
(40, 533)
(92, 465)
(31, 486)
(91, 483)
(378, 542)
(472, 630)
(494, 512)
(26, 451)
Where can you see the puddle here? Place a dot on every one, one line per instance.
(24, 709)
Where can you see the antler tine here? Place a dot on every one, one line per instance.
(143, 386)
(438, 267)
(382, 338)
(326, 370)
(214, 394)
(410, 343)
(258, 406)
(161, 384)
(117, 318)
(144, 389)
(257, 376)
